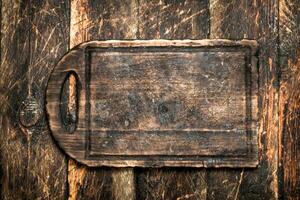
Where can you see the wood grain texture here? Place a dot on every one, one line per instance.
(252, 20)
(225, 22)
(109, 19)
(49, 38)
(1, 117)
(269, 97)
(150, 21)
(289, 127)
(168, 183)
(180, 19)
(100, 20)
(233, 20)
(222, 91)
(289, 27)
(27, 67)
(14, 64)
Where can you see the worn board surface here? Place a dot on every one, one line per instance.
(158, 103)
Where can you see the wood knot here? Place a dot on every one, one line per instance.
(30, 113)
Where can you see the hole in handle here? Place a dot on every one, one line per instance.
(69, 102)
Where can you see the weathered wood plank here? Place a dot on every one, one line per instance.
(156, 21)
(13, 89)
(170, 183)
(22, 141)
(89, 183)
(174, 19)
(101, 20)
(233, 20)
(289, 28)
(227, 20)
(252, 20)
(0, 104)
(49, 38)
(289, 17)
(94, 20)
(269, 97)
(289, 127)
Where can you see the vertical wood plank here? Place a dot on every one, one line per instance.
(289, 19)
(269, 97)
(93, 20)
(172, 19)
(230, 20)
(254, 20)
(49, 41)
(102, 20)
(289, 127)
(84, 182)
(33, 168)
(233, 20)
(289, 29)
(0, 103)
(14, 63)
(170, 183)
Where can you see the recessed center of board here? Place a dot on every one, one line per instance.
(159, 90)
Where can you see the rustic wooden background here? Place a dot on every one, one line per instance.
(36, 33)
